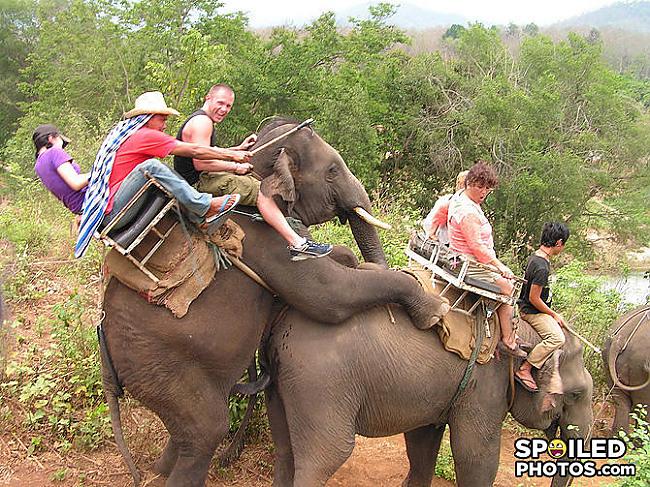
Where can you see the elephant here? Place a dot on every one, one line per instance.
(375, 377)
(627, 364)
(184, 369)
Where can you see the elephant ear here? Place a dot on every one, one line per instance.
(280, 182)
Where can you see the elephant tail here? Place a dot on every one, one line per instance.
(112, 391)
(251, 389)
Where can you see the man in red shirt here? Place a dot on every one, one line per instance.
(139, 154)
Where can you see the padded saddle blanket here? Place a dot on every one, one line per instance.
(457, 330)
(184, 263)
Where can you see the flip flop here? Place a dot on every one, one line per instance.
(525, 384)
(515, 352)
(222, 212)
(524, 345)
(213, 223)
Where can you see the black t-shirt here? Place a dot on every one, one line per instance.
(537, 272)
(184, 165)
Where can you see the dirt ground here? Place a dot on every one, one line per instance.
(375, 462)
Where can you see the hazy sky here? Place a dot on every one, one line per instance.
(275, 12)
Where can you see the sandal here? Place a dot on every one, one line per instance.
(515, 352)
(222, 212)
(213, 222)
(526, 383)
(523, 344)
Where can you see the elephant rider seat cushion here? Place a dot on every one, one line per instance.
(185, 265)
(456, 329)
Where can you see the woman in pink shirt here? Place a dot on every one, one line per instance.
(470, 233)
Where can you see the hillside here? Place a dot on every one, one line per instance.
(408, 16)
(631, 15)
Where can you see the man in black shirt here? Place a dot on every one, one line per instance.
(535, 302)
(226, 177)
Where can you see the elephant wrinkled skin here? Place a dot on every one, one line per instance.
(375, 378)
(627, 363)
(183, 369)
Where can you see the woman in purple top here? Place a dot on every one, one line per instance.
(56, 169)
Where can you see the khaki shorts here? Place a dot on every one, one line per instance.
(482, 274)
(221, 183)
(551, 333)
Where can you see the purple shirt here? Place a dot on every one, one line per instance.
(46, 165)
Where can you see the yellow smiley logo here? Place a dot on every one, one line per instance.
(556, 448)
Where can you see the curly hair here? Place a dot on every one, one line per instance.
(482, 175)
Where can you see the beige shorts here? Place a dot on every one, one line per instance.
(221, 183)
(551, 333)
(482, 274)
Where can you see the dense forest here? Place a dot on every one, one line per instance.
(560, 123)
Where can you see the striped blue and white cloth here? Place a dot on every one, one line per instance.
(96, 198)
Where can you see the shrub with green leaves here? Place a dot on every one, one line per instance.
(58, 387)
(577, 295)
(638, 449)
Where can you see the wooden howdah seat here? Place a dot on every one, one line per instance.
(450, 268)
(126, 231)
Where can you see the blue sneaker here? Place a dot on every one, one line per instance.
(309, 250)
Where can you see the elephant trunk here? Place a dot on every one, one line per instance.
(355, 203)
(367, 240)
(576, 422)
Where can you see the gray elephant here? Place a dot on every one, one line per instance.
(627, 363)
(184, 369)
(373, 377)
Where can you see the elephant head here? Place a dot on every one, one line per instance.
(310, 181)
(571, 410)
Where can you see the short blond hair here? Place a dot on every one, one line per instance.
(460, 180)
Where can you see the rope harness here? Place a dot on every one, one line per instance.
(479, 330)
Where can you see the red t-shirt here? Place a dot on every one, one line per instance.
(143, 145)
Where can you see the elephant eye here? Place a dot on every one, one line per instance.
(574, 395)
(332, 172)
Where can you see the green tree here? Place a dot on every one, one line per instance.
(453, 32)
(17, 34)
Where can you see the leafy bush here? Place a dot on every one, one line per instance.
(638, 450)
(590, 311)
(59, 387)
(445, 463)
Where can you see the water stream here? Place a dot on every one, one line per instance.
(634, 288)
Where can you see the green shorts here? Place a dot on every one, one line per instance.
(221, 183)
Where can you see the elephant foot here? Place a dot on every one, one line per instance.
(428, 311)
(165, 464)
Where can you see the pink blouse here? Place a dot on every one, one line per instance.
(470, 232)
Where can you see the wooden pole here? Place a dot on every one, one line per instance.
(309, 121)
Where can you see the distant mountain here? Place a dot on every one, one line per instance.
(630, 15)
(407, 16)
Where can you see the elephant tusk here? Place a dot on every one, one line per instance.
(368, 218)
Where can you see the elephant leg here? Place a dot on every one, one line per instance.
(167, 460)
(475, 448)
(196, 428)
(283, 469)
(422, 446)
(322, 440)
(622, 409)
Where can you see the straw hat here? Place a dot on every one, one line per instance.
(150, 102)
